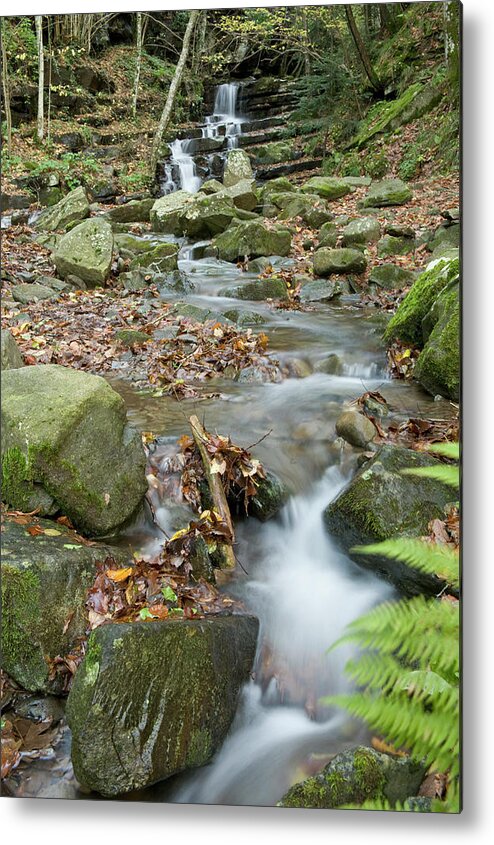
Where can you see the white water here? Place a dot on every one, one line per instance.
(305, 593)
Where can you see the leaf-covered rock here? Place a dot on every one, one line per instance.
(86, 252)
(155, 698)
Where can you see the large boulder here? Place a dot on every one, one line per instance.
(135, 211)
(11, 357)
(237, 168)
(355, 776)
(327, 187)
(309, 207)
(71, 209)
(166, 213)
(155, 698)
(86, 252)
(406, 323)
(339, 261)
(386, 193)
(273, 287)
(242, 194)
(27, 293)
(66, 446)
(252, 239)
(45, 578)
(390, 276)
(381, 502)
(364, 230)
(275, 152)
(162, 258)
(438, 365)
(207, 215)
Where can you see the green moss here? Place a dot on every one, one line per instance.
(369, 777)
(21, 613)
(16, 479)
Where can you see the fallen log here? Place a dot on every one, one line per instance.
(226, 553)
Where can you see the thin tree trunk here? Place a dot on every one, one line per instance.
(200, 40)
(138, 61)
(50, 60)
(175, 84)
(41, 75)
(6, 90)
(362, 50)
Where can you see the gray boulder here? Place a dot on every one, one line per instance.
(86, 252)
(362, 231)
(204, 216)
(66, 446)
(320, 290)
(155, 698)
(11, 357)
(355, 428)
(252, 239)
(166, 213)
(27, 293)
(273, 287)
(338, 261)
(237, 168)
(71, 209)
(390, 276)
(387, 193)
(135, 211)
(45, 579)
(327, 187)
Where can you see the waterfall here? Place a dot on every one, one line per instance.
(225, 120)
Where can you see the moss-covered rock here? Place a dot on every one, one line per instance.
(27, 293)
(71, 209)
(380, 502)
(130, 337)
(390, 276)
(275, 186)
(391, 245)
(273, 287)
(327, 187)
(447, 237)
(242, 194)
(131, 243)
(66, 445)
(11, 357)
(204, 216)
(438, 365)
(86, 252)
(155, 698)
(355, 776)
(135, 211)
(252, 239)
(386, 193)
(270, 497)
(320, 290)
(237, 168)
(328, 235)
(406, 324)
(166, 213)
(162, 258)
(274, 153)
(45, 578)
(338, 261)
(364, 230)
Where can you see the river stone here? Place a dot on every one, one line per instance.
(11, 356)
(406, 323)
(328, 235)
(65, 435)
(390, 276)
(320, 290)
(162, 258)
(244, 317)
(355, 776)
(331, 365)
(166, 213)
(237, 168)
(386, 193)
(270, 497)
(204, 216)
(25, 294)
(71, 209)
(273, 287)
(389, 245)
(44, 583)
(438, 366)
(252, 239)
(380, 502)
(135, 211)
(152, 699)
(362, 231)
(242, 194)
(355, 428)
(339, 261)
(86, 251)
(131, 243)
(327, 187)
(310, 208)
(198, 314)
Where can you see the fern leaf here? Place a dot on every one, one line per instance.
(446, 473)
(446, 450)
(430, 558)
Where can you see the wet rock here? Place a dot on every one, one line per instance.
(252, 239)
(338, 261)
(44, 583)
(71, 209)
(328, 235)
(271, 496)
(327, 187)
(320, 290)
(355, 776)
(438, 366)
(390, 276)
(278, 262)
(86, 251)
(297, 367)
(259, 375)
(237, 168)
(330, 365)
(135, 211)
(355, 428)
(132, 244)
(162, 258)
(362, 231)
(244, 317)
(380, 502)
(66, 445)
(389, 245)
(11, 357)
(198, 314)
(25, 294)
(406, 323)
(387, 193)
(273, 287)
(155, 698)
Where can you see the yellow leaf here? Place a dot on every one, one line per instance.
(52, 532)
(218, 466)
(178, 534)
(119, 574)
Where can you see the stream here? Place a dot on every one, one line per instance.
(292, 576)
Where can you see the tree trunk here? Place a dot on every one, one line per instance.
(452, 26)
(41, 75)
(175, 84)
(138, 61)
(200, 40)
(6, 89)
(362, 50)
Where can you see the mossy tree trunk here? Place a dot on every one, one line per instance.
(452, 30)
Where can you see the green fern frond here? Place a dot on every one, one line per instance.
(446, 450)
(448, 474)
(430, 558)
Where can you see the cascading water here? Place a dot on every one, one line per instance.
(180, 172)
